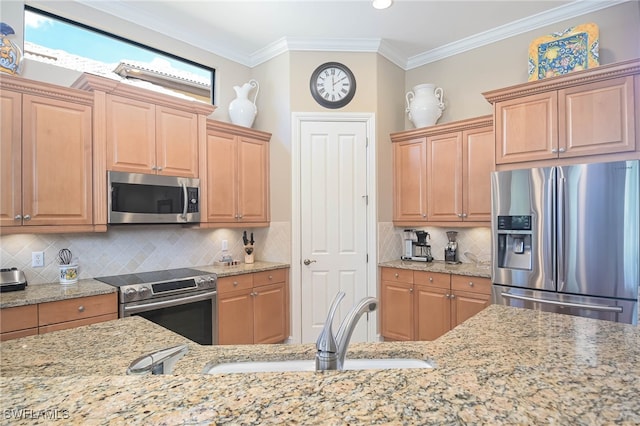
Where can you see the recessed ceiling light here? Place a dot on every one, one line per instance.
(382, 4)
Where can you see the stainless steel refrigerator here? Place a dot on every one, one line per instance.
(567, 239)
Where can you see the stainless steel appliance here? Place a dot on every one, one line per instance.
(416, 246)
(142, 198)
(451, 249)
(11, 279)
(181, 300)
(567, 239)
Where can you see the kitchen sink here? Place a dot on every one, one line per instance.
(310, 365)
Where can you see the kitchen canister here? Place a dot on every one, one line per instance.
(425, 104)
(69, 273)
(242, 111)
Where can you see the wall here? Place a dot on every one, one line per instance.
(465, 76)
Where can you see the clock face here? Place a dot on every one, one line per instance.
(332, 85)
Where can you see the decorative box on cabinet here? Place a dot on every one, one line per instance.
(237, 176)
(253, 308)
(421, 305)
(46, 178)
(442, 174)
(580, 114)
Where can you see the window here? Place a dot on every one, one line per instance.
(52, 39)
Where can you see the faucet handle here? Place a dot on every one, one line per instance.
(159, 362)
(326, 340)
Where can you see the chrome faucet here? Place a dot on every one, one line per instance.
(159, 362)
(331, 350)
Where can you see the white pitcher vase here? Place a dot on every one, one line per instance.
(242, 110)
(425, 104)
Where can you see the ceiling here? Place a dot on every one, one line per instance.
(410, 33)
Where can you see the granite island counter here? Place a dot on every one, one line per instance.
(503, 366)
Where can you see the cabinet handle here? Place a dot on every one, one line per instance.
(470, 283)
(18, 217)
(80, 308)
(27, 217)
(561, 150)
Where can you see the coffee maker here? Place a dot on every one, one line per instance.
(451, 249)
(416, 246)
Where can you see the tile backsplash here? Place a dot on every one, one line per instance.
(129, 249)
(473, 240)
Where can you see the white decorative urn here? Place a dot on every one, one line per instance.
(425, 104)
(242, 110)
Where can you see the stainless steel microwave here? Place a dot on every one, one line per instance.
(143, 198)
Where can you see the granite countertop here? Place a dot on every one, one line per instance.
(51, 292)
(468, 269)
(503, 366)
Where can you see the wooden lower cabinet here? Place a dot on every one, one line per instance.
(419, 305)
(46, 317)
(253, 308)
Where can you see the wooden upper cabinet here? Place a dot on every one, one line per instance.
(580, 114)
(147, 138)
(237, 176)
(410, 180)
(10, 158)
(442, 174)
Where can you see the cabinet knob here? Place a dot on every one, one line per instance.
(464, 215)
(430, 279)
(18, 217)
(459, 214)
(424, 215)
(452, 296)
(447, 295)
(396, 275)
(81, 308)
(235, 283)
(159, 168)
(554, 150)
(27, 217)
(411, 290)
(270, 277)
(470, 283)
(154, 168)
(561, 150)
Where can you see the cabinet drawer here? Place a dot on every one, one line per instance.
(434, 279)
(397, 275)
(471, 284)
(76, 309)
(234, 283)
(269, 277)
(77, 323)
(18, 334)
(18, 318)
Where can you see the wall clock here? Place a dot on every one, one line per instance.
(332, 85)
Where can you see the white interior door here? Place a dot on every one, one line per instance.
(333, 194)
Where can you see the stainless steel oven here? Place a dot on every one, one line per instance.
(181, 300)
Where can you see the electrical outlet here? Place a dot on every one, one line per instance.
(225, 245)
(37, 259)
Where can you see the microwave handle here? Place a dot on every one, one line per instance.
(186, 201)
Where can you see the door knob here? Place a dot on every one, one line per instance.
(308, 262)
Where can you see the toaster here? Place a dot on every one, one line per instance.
(12, 280)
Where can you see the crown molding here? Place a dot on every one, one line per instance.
(533, 22)
(131, 13)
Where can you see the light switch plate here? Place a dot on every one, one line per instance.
(225, 245)
(37, 259)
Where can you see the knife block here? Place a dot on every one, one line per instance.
(248, 256)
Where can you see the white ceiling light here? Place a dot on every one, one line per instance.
(382, 4)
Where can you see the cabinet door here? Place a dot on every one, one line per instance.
(56, 162)
(466, 304)
(176, 142)
(444, 179)
(10, 158)
(221, 178)
(410, 180)
(235, 318)
(253, 180)
(478, 162)
(432, 311)
(131, 135)
(597, 118)
(396, 310)
(269, 313)
(526, 128)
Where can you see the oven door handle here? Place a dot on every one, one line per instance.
(185, 196)
(128, 310)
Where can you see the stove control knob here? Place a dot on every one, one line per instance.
(144, 292)
(130, 294)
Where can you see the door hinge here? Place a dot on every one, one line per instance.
(367, 261)
(366, 199)
(366, 142)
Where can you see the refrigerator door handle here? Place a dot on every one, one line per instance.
(560, 222)
(567, 304)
